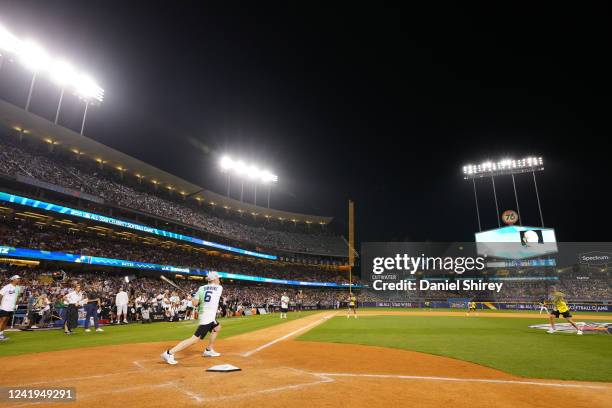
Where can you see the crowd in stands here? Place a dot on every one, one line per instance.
(44, 292)
(24, 234)
(18, 159)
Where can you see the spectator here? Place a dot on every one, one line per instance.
(121, 302)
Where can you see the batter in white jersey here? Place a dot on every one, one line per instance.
(207, 301)
(9, 295)
(208, 297)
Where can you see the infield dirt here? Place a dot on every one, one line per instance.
(278, 371)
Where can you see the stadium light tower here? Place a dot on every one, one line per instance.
(250, 173)
(502, 168)
(61, 73)
(35, 59)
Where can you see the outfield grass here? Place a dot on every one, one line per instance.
(505, 344)
(23, 342)
(456, 310)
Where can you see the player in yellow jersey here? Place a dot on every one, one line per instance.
(471, 308)
(352, 304)
(561, 309)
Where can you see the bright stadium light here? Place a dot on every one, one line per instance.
(226, 163)
(244, 171)
(253, 172)
(267, 177)
(62, 72)
(33, 57)
(87, 89)
(505, 166)
(8, 42)
(240, 168)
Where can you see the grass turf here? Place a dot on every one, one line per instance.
(23, 342)
(479, 310)
(505, 344)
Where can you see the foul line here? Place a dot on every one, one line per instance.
(286, 336)
(481, 380)
(322, 379)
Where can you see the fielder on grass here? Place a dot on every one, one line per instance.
(207, 299)
(471, 307)
(561, 309)
(352, 306)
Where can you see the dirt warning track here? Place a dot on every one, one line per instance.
(278, 371)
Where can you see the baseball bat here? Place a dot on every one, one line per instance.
(173, 284)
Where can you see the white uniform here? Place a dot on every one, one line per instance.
(209, 296)
(121, 301)
(9, 294)
(285, 302)
(74, 298)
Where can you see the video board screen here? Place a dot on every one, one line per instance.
(516, 242)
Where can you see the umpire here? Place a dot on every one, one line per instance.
(73, 300)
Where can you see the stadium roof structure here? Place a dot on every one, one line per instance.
(46, 131)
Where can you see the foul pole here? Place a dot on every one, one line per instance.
(351, 243)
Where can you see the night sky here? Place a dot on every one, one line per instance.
(383, 105)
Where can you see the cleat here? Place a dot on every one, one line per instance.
(210, 353)
(551, 331)
(579, 332)
(87, 330)
(99, 329)
(168, 358)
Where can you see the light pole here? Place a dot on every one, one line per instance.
(61, 74)
(477, 210)
(535, 183)
(495, 196)
(33, 58)
(59, 105)
(518, 209)
(90, 92)
(27, 105)
(84, 116)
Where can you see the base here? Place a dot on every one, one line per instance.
(223, 368)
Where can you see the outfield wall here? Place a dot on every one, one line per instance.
(577, 307)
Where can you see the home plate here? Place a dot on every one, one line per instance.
(224, 368)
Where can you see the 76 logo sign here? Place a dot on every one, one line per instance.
(510, 217)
